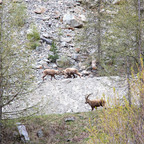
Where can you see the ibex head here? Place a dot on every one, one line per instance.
(86, 97)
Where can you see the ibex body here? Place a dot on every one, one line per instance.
(71, 72)
(50, 72)
(95, 103)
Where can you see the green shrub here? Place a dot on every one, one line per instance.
(121, 123)
(18, 12)
(53, 58)
(33, 45)
(55, 55)
(33, 36)
(63, 62)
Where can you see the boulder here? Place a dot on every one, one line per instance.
(67, 39)
(46, 18)
(23, 132)
(48, 41)
(73, 21)
(76, 57)
(40, 133)
(64, 44)
(69, 119)
(40, 10)
(54, 66)
(83, 18)
(85, 73)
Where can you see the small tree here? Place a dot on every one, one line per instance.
(16, 75)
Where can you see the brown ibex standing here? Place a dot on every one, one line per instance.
(71, 72)
(95, 103)
(50, 72)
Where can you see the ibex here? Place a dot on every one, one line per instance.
(95, 103)
(50, 72)
(71, 72)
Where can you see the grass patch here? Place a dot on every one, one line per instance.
(112, 125)
(54, 128)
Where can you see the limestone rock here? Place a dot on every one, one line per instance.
(23, 132)
(69, 119)
(54, 66)
(64, 44)
(83, 18)
(40, 10)
(48, 41)
(73, 21)
(67, 39)
(85, 73)
(40, 133)
(76, 57)
(46, 18)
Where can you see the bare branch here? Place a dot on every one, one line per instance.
(11, 99)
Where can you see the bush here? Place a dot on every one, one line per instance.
(18, 11)
(122, 123)
(53, 58)
(33, 36)
(55, 55)
(63, 62)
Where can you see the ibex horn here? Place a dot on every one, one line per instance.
(88, 95)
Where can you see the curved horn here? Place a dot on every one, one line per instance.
(88, 95)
